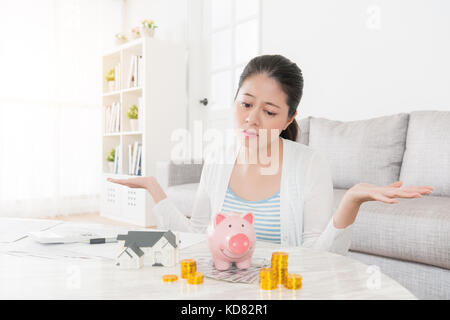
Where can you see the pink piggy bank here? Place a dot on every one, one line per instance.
(231, 238)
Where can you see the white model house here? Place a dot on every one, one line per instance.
(152, 248)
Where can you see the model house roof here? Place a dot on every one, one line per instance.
(136, 250)
(147, 238)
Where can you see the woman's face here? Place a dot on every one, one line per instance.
(261, 104)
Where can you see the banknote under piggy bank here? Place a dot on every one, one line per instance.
(231, 238)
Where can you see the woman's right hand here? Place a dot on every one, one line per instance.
(148, 183)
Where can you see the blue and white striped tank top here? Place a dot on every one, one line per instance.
(266, 214)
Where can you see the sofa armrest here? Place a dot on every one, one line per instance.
(170, 174)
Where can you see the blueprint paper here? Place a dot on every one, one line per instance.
(13, 229)
(189, 239)
(27, 246)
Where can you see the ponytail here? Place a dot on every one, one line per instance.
(291, 131)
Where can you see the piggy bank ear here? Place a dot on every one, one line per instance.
(249, 217)
(219, 218)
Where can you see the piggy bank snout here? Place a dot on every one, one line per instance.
(239, 243)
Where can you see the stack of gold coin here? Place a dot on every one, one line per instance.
(195, 278)
(268, 279)
(279, 266)
(294, 281)
(169, 278)
(188, 266)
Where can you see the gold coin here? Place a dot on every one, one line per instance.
(169, 278)
(268, 276)
(279, 269)
(294, 277)
(280, 254)
(280, 274)
(293, 286)
(278, 265)
(185, 275)
(188, 266)
(268, 286)
(268, 279)
(271, 287)
(293, 281)
(196, 278)
(279, 257)
(188, 262)
(266, 273)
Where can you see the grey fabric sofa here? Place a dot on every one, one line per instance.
(408, 241)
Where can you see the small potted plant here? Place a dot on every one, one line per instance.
(148, 28)
(110, 158)
(110, 78)
(133, 116)
(136, 32)
(121, 38)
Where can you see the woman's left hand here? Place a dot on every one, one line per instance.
(363, 192)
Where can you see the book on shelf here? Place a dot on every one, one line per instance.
(111, 123)
(118, 117)
(130, 151)
(116, 159)
(140, 71)
(138, 161)
(131, 73)
(134, 79)
(134, 157)
(139, 171)
(136, 66)
(112, 117)
(133, 163)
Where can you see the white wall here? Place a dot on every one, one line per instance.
(360, 58)
(110, 22)
(169, 15)
(364, 58)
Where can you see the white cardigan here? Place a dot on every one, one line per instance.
(306, 200)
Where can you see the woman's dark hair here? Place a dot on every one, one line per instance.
(288, 75)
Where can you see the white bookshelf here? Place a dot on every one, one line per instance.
(163, 97)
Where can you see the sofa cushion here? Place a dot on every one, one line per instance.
(414, 229)
(361, 151)
(183, 196)
(427, 155)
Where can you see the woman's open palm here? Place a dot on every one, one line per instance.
(148, 183)
(369, 192)
(134, 182)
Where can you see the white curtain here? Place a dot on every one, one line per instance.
(50, 105)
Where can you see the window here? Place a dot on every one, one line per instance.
(234, 33)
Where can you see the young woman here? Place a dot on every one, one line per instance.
(287, 185)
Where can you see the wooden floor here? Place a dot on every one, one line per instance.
(91, 218)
